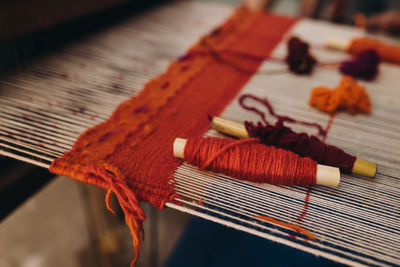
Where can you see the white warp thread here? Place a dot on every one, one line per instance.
(46, 106)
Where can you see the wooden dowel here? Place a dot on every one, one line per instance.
(364, 168)
(326, 175)
(361, 167)
(229, 127)
(337, 43)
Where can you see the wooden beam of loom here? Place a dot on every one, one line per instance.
(45, 106)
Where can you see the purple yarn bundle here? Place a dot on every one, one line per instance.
(364, 66)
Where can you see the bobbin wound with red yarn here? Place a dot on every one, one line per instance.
(387, 52)
(249, 160)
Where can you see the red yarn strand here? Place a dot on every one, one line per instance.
(298, 59)
(265, 102)
(308, 194)
(294, 227)
(225, 148)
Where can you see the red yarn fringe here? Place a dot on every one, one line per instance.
(128, 201)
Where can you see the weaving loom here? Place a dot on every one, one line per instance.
(47, 105)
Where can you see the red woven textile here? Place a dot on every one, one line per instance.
(131, 153)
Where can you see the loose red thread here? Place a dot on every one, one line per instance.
(328, 127)
(294, 227)
(280, 118)
(248, 160)
(309, 190)
(230, 62)
(298, 59)
(302, 144)
(305, 207)
(235, 59)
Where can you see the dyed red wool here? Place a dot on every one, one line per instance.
(302, 144)
(249, 160)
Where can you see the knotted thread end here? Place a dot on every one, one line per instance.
(134, 215)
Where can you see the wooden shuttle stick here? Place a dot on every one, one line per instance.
(229, 127)
(361, 167)
(337, 43)
(326, 175)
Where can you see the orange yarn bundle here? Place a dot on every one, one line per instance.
(386, 52)
(348, 95)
